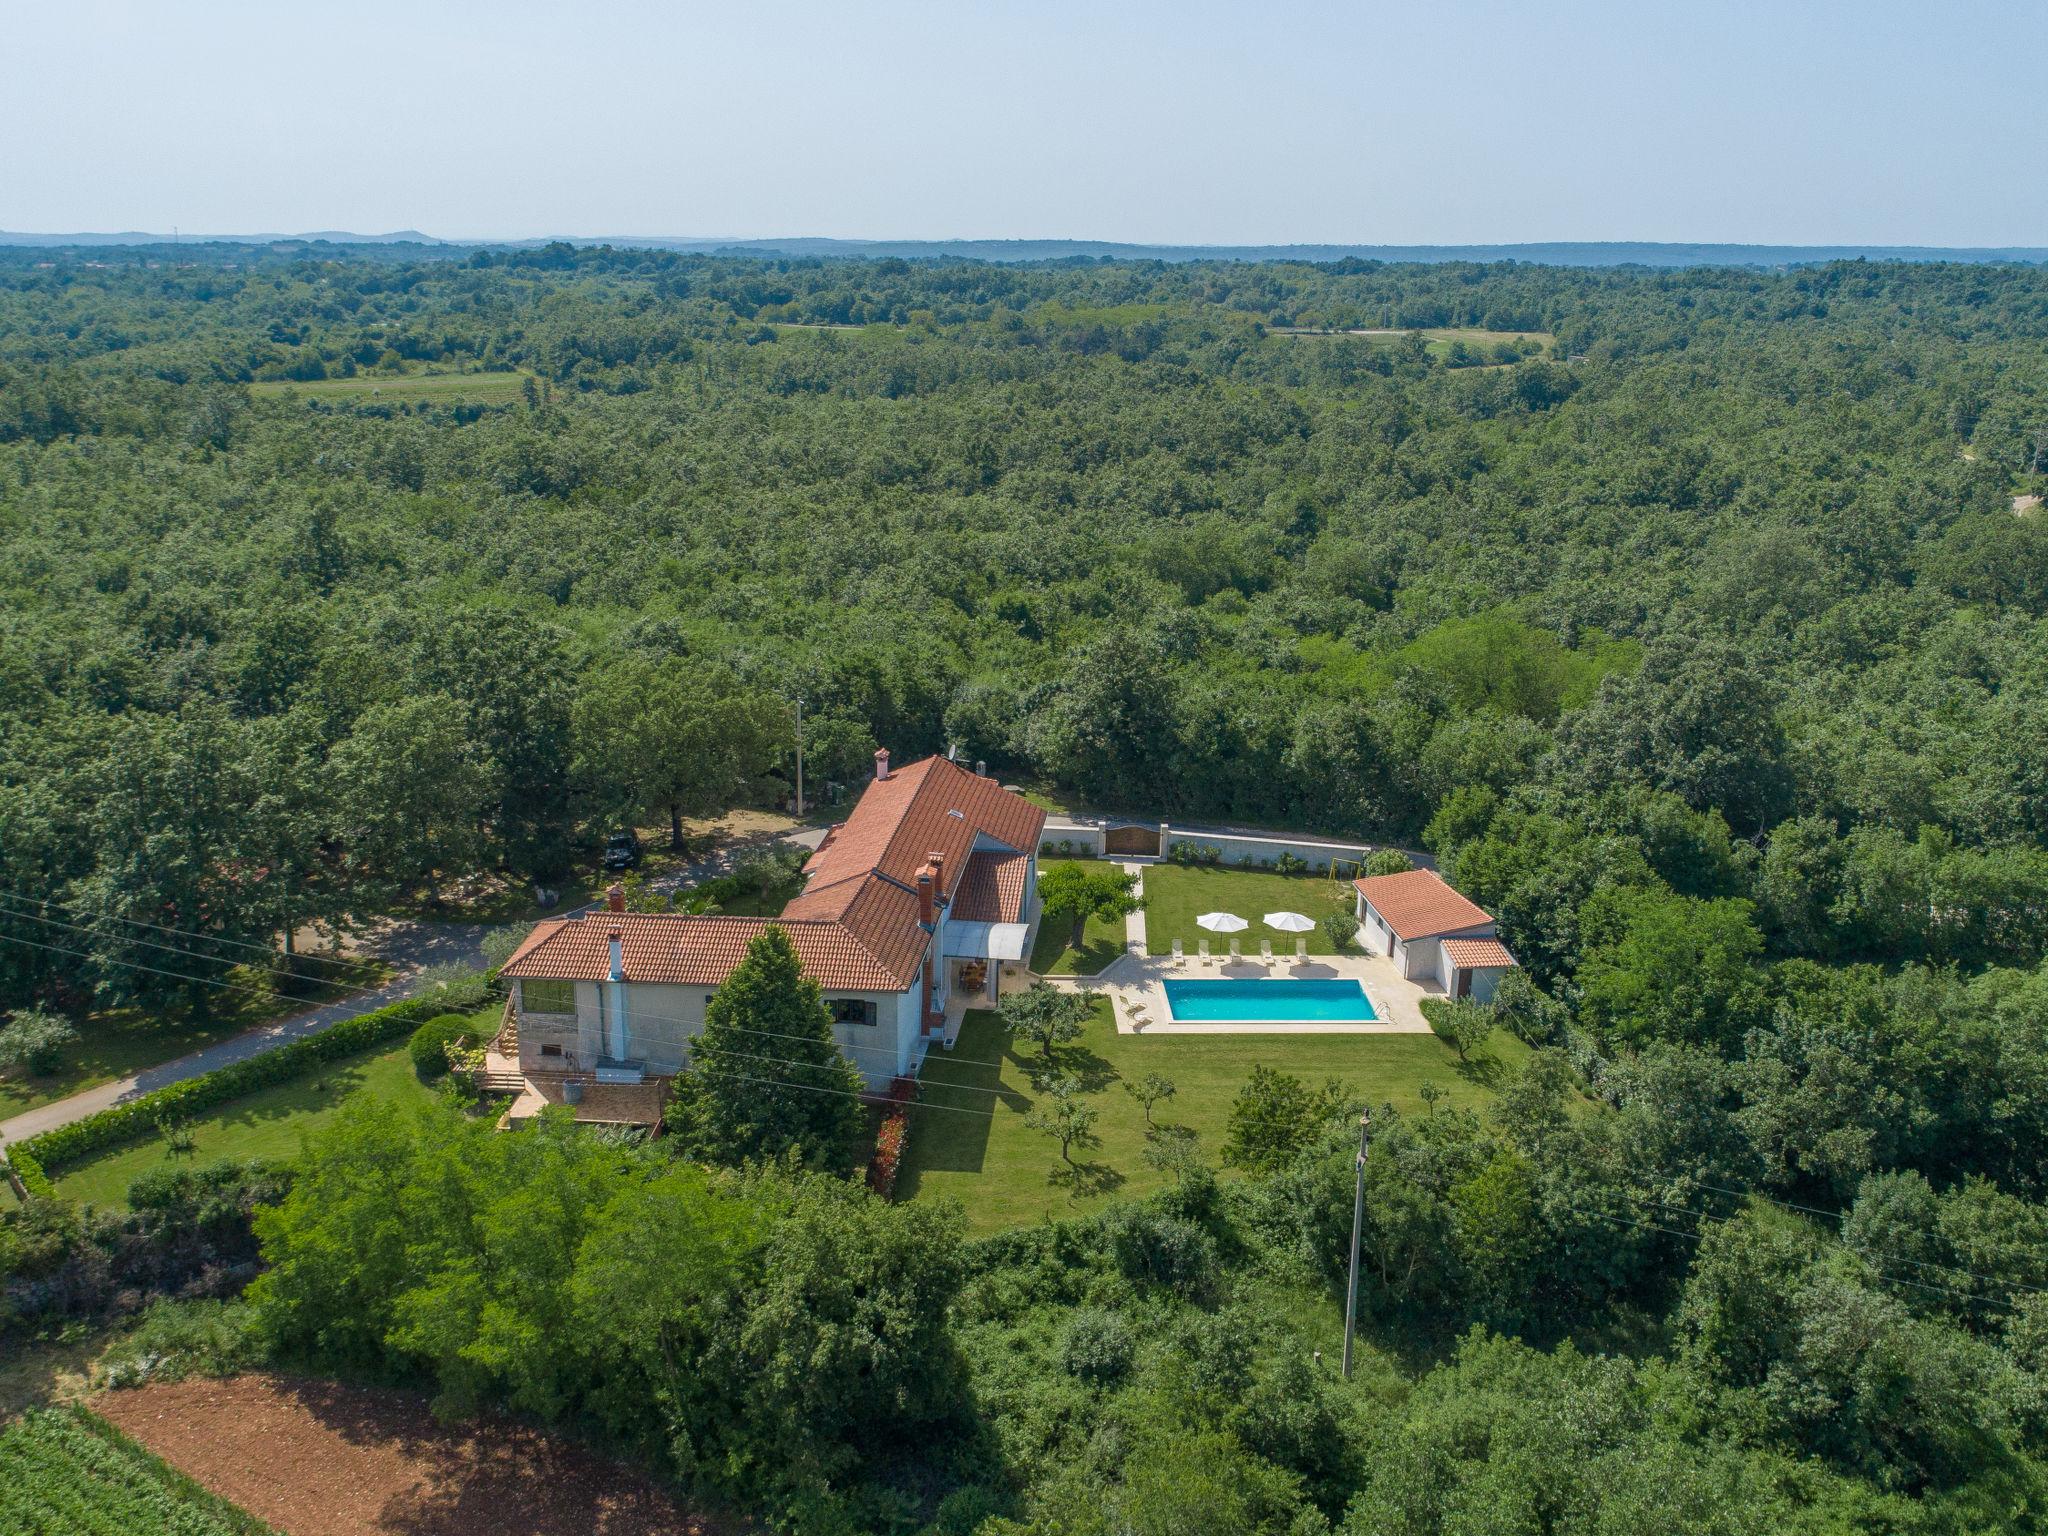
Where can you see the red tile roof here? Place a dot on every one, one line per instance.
(932, 806)
(855, 924)
(1418, 903)
(1477, 954)
(991, 889)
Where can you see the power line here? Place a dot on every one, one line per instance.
(1697, 1236)
(1884, 1255)
(187, 933)
(185, 954)
(136, 965)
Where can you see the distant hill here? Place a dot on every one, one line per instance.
(145, 237)
(1563, 253)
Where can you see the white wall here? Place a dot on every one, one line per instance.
(1266, 850)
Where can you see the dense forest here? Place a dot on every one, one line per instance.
(1693, 620)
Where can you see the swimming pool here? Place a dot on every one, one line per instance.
(1268, 1002)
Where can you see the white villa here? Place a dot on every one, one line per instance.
(1431, 933)
(909, 908)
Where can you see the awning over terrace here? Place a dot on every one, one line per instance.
(986, 941)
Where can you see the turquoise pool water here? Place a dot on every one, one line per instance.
(1269, 1002)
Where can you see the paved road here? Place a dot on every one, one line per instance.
(410, 946)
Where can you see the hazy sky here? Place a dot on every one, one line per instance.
(1882, 121)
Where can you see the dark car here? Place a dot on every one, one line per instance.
(622, 850)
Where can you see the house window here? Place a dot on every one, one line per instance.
(540, 996)
(851, 1010)
(551, 1050)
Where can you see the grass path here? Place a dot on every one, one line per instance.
(973, 1143)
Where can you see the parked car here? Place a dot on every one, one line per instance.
(622, 850)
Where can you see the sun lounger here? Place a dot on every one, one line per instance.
(1235, 954)
(1206, 959)
(1301, 949)
(1266, 950)
(1178, 956)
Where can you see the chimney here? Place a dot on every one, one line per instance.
(980, 769)
(881, 762)
(618, 956)
(925, 911)
(615, 897)
(937, 860)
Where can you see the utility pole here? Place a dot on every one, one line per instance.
(799, 758)
(1357, 1221)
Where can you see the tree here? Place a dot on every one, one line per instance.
(1149, 1090)
(168, 826)
(1459, 1022)
(1388, 861)
(286, 827)
(657, 736)
(1062, 1115)
(414, 788)
(1046, 1014)
(1075, 891)
(35, 1038)
(1275, 1116)
(846, 1343)
(1660, 966)
(766, 1078)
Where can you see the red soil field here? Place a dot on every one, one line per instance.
(316, 1458)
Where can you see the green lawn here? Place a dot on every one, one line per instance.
(266, 1124)
(1101, 942)
(1175, 895)
(1002, 1171)
(120, 1041)
(441, 388)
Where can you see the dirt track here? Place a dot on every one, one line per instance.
(314, 1458)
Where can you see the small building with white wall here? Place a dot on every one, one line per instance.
(1431, 932)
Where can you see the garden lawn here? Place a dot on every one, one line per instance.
(968, 1138)
(1101, 941)
(1176, 894)
(266, 1124)
(121, 1041)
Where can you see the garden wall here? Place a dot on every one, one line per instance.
(1238, 849)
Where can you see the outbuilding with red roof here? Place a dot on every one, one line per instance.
(1431, 932)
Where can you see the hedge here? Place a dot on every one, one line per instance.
(123, 1122)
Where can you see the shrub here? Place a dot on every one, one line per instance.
(892, 1137)
(429, 1044)
(1098, 1346)
(1340, 927)
(35, 1038)
(1154, 1248)
(1388, 861)
(1290, 863)
(176, 1339)
(1525, 1010)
